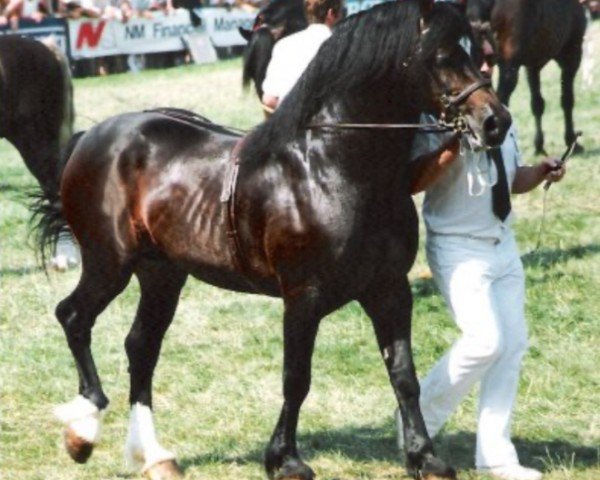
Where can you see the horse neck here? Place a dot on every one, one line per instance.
(377, 156)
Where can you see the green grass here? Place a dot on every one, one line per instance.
(217, 388)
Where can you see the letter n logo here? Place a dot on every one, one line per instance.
(90, 34)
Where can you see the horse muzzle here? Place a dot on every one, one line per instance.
(495, 126)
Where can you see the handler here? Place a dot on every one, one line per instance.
(475, 262)
(292, 54)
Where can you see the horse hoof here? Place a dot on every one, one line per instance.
(433, 476)
(78, 448)
(167, 470)
(295, 470)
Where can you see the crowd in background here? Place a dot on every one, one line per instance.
(11, 11)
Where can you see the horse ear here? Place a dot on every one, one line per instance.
(462, 4)
(245, 33)
(426, 6)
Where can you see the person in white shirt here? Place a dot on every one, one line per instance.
(475, 262)
(292, 54)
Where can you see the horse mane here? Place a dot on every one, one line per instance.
(369, 47)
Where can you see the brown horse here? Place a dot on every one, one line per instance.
(531, 33)
(36, 105)
(316, 215)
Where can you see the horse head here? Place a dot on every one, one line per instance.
(452, 54)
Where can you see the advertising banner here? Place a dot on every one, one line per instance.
(99, 38)
(222, 24)
(55, 27)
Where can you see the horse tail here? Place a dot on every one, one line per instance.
(68, 110)
(47, 221)
(257, 55)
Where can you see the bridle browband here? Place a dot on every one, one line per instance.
(450, 118)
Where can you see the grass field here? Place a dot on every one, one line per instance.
(217, 388)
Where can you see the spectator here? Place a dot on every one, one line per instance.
(144, 8)
(13, 10)
(292, 54)
(79, 8)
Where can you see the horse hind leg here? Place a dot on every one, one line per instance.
(390, 311)
(507, 80)
(301, 321)
(161, 286)
(101, 281)
(537, 107)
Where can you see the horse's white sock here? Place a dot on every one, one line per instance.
(142, 449)
(82, 417)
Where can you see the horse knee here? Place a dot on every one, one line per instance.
(538, 105)
(405, 383)
(132, 345)
(296, 385)
(567, 100)
(71, 321)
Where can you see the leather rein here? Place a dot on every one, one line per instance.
(450, 119)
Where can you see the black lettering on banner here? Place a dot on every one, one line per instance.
(169, 31)
(223, 24)
(134, 32)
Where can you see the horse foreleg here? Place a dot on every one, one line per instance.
(507, 80)
(160, 289)
(537, 107)
(569, 64)
(77, 315)
(301, 321)
(389, 305)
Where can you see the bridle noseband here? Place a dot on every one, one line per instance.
(450, 103)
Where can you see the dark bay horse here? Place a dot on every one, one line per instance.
(316, 215)
(531, 33)
(274, 21)
(36, 105)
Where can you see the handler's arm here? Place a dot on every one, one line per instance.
(426, 169)
(530, 176)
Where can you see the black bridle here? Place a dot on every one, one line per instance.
(450, 118)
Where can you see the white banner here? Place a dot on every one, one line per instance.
(222, 24)
(99, 38)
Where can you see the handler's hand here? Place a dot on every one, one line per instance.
(554, 171)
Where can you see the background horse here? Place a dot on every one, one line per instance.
(315, 215)
(274, 21)
(36, 105)
(531, 33)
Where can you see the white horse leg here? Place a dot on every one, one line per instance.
(142, 450)
(82, 419)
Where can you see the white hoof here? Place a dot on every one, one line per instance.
(82, 420)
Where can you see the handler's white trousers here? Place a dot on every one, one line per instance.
(483, 283)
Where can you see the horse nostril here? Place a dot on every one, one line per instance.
(490, 124)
